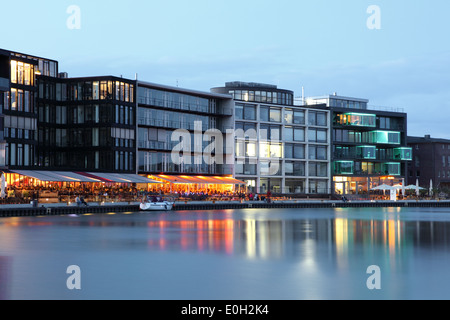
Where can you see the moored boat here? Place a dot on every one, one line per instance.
(156, 206)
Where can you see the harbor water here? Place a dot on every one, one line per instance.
(239, 254)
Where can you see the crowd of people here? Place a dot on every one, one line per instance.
(84, 194)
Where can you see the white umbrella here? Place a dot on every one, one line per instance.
(3, 186)
(383, 187)
(413, 187)
(431, 187)
(417, 187)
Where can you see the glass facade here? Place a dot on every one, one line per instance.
(355, 119)
(383, 137)
(164, 113)
(87, 124)
(343, 167)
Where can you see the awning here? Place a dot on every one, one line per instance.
(172, 179)
(230, 180)
(121, 177)
(69, 176)
(39, 175)
(199, 179)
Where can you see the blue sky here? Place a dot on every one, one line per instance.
(324, 46)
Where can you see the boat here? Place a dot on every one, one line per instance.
(156, 205)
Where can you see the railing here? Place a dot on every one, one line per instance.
(174, 105)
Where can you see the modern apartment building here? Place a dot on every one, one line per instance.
(368, 147)
(431, 162)
(171, 119)
(279, 147)
(19, 75)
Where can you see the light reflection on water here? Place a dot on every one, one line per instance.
(229, 254)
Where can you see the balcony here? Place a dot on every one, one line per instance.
(343, 167)
(356, 120)
(404, 154)
(391, 169)
(384, 137)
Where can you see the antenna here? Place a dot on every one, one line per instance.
(303, 95)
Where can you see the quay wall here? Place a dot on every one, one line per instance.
(43, 210)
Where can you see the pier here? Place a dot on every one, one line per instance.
(96, 208)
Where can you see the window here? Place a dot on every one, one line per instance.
(264, 113)
(270, 114)
(275, 114)
(249, 112)
(356, 119)
(245, 112)
(317, 169)
(294, 134)
(318, 186)
(343, 167)
(317, 152)
(317, 135)
(270, 168)
(294, 168)
(294, 151)
(270, 132)
(288, 116)
(316, 118)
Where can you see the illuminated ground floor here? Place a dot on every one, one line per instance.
(345, 185)
(63, 186)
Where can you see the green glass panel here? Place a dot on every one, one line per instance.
(343, 167)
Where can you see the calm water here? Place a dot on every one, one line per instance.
(229, 254)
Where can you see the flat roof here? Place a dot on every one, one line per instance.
(184, 90)
(24, 55)
(426, 139)
(331, 96)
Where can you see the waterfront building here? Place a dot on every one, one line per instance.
(54, 128)
(368, 146)
(19, 75)
(279, 147)
(430, 162)
(184, 134)
(87, 124)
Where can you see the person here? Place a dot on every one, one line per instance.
(82, 201)
(268, 196)
(344, 199)
(78, 201)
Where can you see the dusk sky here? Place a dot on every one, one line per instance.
(324, 46)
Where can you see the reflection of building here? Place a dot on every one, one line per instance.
(279, 147)
(368, 146)
(431, 161)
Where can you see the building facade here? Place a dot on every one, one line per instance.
(87, 124)
(182, 131)
(430, 162)
(279, 147)
(368, 147)
(19, 74)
